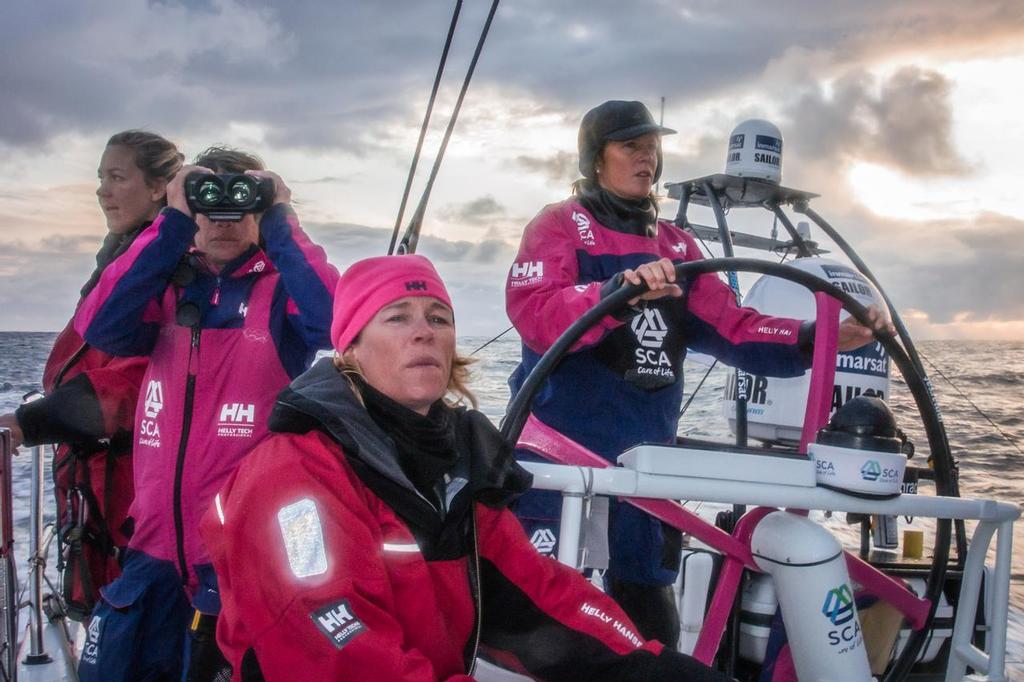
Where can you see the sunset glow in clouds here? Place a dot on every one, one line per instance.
(904, 116)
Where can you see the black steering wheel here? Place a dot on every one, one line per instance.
(519, 408)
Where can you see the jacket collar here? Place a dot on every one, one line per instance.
(322, 399)
(252, 261)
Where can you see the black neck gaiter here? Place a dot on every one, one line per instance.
(426, 443)
(622, 215)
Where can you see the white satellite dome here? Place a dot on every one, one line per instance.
(755, 151)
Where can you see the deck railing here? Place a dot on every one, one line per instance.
(995, 521)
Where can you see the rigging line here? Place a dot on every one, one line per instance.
(707, 249)
(411, 237)
(493, 340)
(697, 390)
(971, 403)
(426, 124)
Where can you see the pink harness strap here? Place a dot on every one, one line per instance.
(823, 369)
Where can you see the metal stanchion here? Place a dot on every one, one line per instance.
(37, 651)
(10, 573)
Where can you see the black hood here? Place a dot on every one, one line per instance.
(322, 399)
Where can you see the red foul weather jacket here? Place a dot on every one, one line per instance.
(89, 411)
(332, 566)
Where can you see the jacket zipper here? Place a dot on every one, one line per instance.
(477, 597)
(179, 468)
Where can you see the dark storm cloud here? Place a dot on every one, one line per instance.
(559, 168)
(346, 243)
(981, 279)
(905, 122)
(480, 211)
(345, 75)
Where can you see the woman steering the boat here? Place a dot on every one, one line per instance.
(369, 537)
(89, 406)
(228, 312)
(623, 385)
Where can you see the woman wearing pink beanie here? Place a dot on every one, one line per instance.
(369, 537)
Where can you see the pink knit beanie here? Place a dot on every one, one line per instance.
(370, 284)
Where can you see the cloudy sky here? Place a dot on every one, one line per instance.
(904, 116)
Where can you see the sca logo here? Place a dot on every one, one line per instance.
(544, 540)
(838, 606)
(840, 611)
(149, 429)
(583, 228)
(871, 470)
(154, 399)
(91, 650)
(650, 330)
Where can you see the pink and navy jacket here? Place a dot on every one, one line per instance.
(220, 348)
(623, 383)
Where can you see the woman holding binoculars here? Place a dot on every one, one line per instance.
(228, 312)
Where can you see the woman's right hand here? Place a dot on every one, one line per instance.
(660, 278)
(176, 197)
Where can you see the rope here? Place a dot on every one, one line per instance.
(970, 402)
(423, 128)
(408, 244)
(697, 390)
(493, 340)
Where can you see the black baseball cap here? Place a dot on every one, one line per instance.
(614, 120)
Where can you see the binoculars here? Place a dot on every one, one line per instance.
(228, 196)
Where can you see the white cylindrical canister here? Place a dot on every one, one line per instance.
(815, 595)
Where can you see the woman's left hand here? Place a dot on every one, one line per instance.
(853, 335)
(282, 194)
(10, 421)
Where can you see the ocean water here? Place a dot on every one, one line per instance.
(989, 375)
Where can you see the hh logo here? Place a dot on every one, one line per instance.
(416, 285)
(335, 617)
(154, 399)
(525, 274)
(243, 310)
(544, 540)
(524, 270)
(338, 623)
(583, 227)
(237, 412)
(650, 328)
(236, 420)
(679, 247)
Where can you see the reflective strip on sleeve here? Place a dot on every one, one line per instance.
(405, 547)
(303, 538)
(220, 509)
